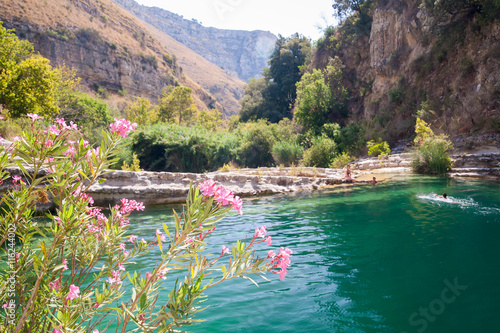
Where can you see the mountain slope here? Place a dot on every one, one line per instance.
(109, 48)
(242, 53)
(226, 89)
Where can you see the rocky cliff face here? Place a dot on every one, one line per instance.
(243, 53)
(98, 64)
(405, 63)
(109, 49)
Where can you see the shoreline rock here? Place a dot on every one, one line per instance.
(167, 187)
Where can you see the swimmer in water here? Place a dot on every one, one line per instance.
(444, 196)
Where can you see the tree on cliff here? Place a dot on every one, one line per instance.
(321, 97)
(344, 8)
(273, 96)
(28, 83)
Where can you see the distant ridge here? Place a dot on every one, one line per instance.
(113, 50)
(243, 54)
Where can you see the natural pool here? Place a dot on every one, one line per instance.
(384, 258)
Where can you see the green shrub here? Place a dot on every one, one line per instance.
(430, 157)
(396, 95)
(322, 152)
(134, 166)
(89, 36)
(378, 148)
(92, 115)
(287, 153)
(175, 148)
(349, 139)
(341, 161)
(257, 140)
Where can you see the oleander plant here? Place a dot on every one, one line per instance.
(64, 269)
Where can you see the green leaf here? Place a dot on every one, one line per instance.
(42, 245)
(134, 294)
(143, 300)
(159, 242)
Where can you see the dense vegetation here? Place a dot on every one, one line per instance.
(306, 109)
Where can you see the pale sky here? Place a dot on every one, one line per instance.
(284, 17)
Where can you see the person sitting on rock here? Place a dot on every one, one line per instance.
(348, 174)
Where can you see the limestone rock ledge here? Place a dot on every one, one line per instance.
(167, 187)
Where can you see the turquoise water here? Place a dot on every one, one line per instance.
(385, 258)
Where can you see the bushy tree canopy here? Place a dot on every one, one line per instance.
(28, 83)
(273, 96)
(176, 105)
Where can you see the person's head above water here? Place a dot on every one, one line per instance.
(445, 195)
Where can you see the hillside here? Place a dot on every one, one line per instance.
(400, 57)
(109, 48)
(242, 53)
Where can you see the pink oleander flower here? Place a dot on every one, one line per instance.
(72, 126)
(16, 138)
(48, 143)
(74, 293)
(18, 255)
(281, 260)
(132, 238)
(223, 195)
(70, 152)
(65, 263)
(54, 130)
(121, 267)
(128, 206)
(15, 179)
(163, 239)
(55, 285)
(95, 331)
(89, 153)
(115, 280)
(122, 247)
(61, 122)
(260, 232)
(58, 220)
(34, 116)
(207, 188)
(148, 275)
(237, 203)
(268, 240)
(282, 274)
(56, 331)
(86, 197)
(162, 273)
(1, 118)
(122, 127)
(225, 250)
(85, 143)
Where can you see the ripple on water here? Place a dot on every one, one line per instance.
(364, 259)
